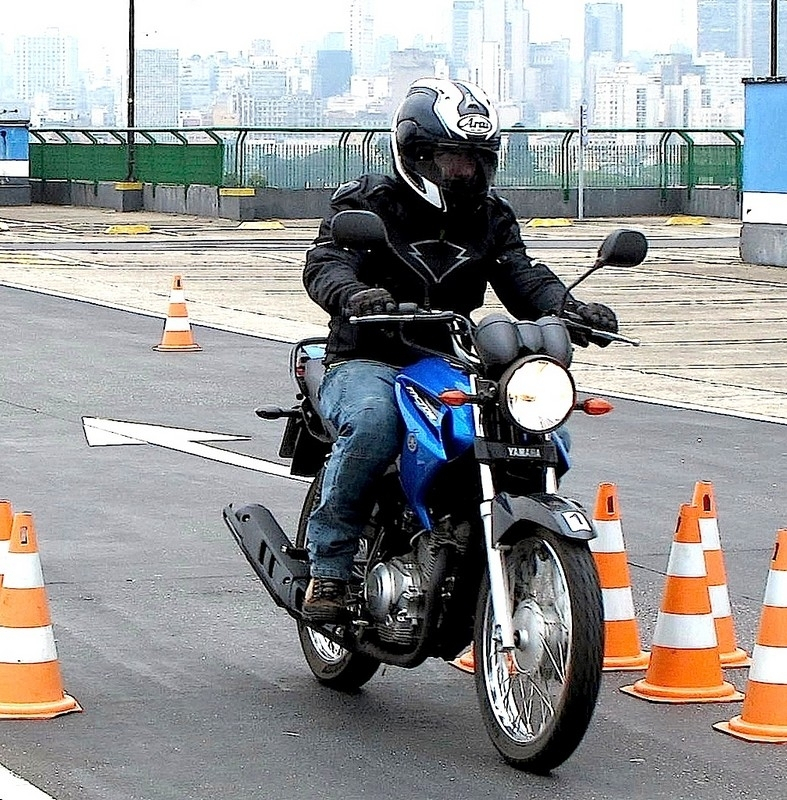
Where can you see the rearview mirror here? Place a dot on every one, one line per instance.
(623, 248)
(360, 230)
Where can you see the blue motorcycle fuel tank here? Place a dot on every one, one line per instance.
(434, 432)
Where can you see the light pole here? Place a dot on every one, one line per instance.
(130, 121)
(774, 37)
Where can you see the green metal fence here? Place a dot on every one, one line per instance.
(297, 158)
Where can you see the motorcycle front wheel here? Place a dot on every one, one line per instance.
(537, 700)
(332, 664)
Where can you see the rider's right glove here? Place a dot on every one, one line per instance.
(370, 301)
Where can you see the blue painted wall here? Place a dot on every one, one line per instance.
(765, 137)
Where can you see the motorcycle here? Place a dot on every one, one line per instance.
(469, 541)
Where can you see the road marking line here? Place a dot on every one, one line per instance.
(12, 787)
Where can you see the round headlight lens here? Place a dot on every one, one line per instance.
(538, 394)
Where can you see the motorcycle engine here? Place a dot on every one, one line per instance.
(394, 598)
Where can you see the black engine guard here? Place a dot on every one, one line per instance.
(268, 550)
(564, 517)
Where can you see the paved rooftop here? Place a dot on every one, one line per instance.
(713, 329)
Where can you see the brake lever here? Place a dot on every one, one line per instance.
(592, 333)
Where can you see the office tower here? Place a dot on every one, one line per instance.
(461, 21)
(157, 88)
(720, 27)
(46, 64)
(362, 37)
(332, 73)
(760, 30)
(604, 29)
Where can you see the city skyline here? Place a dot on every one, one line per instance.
(193, 26)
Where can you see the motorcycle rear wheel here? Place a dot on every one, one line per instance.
(537, 701)
(332, 664)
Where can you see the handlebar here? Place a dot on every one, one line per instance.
(410, 312)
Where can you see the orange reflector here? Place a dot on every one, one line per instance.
(453, 397)
(595, 406)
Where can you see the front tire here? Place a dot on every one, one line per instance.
(332, 664)
(537, 701)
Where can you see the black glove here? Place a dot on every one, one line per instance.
(370, 301)
(594, 315)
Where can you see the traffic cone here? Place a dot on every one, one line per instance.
(177, 334)
(30, 683)
(764, 714)
(466, 661)
(729, 653)
(6, 521)
(684, 661)
(622, 649)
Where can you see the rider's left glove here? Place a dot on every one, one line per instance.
(370, 301)
(597, 316)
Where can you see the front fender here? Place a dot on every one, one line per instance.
(560, 515)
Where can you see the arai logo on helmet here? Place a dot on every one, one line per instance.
(476, 124)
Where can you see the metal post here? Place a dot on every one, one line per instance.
(130, 117)
(774, 37)
(583, 140)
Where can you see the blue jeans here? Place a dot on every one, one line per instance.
(357, 397)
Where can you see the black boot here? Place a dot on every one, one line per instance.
(325, 600)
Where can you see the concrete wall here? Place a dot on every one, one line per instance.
(209, 201)
(764, 244)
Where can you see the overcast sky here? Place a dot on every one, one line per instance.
(209, 25)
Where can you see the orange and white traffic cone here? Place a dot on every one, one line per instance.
(466, 661)
(177, 334)
(729, 653)
(30, 683)
(622, 648)
(6, 522)
(684, 660)
(764, 714)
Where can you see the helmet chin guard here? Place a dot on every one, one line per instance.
(445, 137)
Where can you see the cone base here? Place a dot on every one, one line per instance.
(465, 663)
(626, 663)
(48, 710)
(768, 734)
(735, 658)
(184, 348)
(724, 693)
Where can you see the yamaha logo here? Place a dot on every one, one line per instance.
(412, 442)
(476, 124)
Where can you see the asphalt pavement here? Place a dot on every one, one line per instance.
(713, 330)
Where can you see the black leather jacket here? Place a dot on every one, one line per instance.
(442, 261)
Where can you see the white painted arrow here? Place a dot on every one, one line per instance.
(103, 432)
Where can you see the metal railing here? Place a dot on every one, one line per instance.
(297, 158)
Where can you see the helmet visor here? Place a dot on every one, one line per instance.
(462, 170)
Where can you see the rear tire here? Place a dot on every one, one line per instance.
(332, 664)
(537, 701)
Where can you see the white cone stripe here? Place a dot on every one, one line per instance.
(618, 604)
(610, 537)
(685, 631)
(177, 296)
(776, 589)
(686, 560)
(709, 532)
(23, 571)
(177, 324)
(27, 645)
(720, 601)
(3, 554)
(769, 664)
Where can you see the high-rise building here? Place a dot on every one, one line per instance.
(156, 88)
(720, 26)
(761, 37)
(362, 37)
(461, 20)
(46, 64)
(549, 81)
(604, 29)
(332, 73)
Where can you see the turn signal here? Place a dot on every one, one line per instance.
(454, 397)
(595, 406)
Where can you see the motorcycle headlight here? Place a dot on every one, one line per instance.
(537, 394)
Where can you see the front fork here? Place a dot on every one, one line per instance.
(495, 557)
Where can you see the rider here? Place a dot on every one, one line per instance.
(453, 236)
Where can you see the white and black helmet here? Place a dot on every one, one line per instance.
(442, 121)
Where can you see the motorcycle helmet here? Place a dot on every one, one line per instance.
(445, 138)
